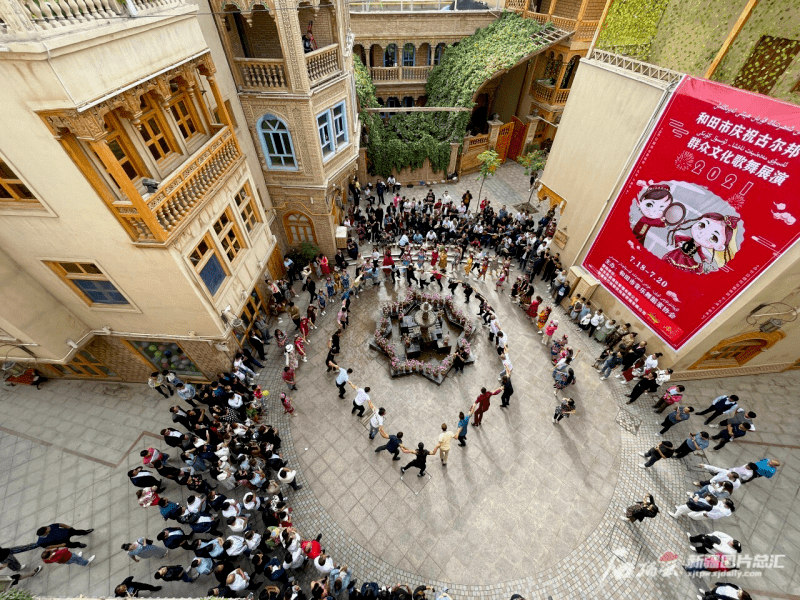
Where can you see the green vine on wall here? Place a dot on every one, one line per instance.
(407, 139)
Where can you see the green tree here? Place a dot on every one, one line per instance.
(533, 163)
(489, 160)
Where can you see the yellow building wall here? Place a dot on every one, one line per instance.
(166, 295)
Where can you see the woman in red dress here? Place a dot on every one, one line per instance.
(323, 262)
(710, 233)
(533, 309)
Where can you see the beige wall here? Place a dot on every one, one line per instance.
(30, 313)
(603, 125)
(604, 118)
(166, 296)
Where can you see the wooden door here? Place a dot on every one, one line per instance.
(517, 138)
(275, 264)
(503, 139)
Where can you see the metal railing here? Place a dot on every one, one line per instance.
(636, 66)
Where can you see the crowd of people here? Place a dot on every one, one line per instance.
(229, 458)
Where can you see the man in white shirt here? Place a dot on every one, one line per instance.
(376, 422)
(446, 198)
(234, 545)
(196, 504)
(716, 541)
(722, 475)
(324, 564)
(362, 398)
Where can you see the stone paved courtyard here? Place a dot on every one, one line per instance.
(527, 506)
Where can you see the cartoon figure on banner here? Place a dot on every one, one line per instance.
(686, 225)
(709, 245)
(658, 209)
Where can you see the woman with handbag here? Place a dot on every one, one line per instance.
(646, 509)
(673, 395)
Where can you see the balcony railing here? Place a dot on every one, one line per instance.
(262, 74)
(367, 6)
(323, 63)
(179, 195)
(543, 93)
(35, 18)
(584, 30)
(401, 74)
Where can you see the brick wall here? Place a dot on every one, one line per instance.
(323, 32)
(233, 36)
(263, 36)
(421, 58)
(377, 56)
(568, 9)
(119, 358)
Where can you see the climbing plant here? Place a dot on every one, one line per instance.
(630, 26)
(407, 139)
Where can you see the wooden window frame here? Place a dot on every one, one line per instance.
(193, 116)
(154, 111)
(202, 261)
(69, 277)
(288, 228)
(223, 234)
(115, 131)
(79, 365)
(246, 206)
(7, 183)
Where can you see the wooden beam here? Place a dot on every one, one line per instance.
(734, 33)
(418, 109)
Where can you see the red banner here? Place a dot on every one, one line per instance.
(712, 200)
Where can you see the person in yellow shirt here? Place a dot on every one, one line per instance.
(444, 444)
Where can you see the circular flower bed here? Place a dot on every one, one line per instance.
(434, 370)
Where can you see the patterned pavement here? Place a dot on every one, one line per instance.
(527, 507)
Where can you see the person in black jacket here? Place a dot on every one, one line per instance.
(646, 509)
(129, 587)
(420, 460)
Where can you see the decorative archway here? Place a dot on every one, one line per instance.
(360, 52)
(737, 350)
(299, 228)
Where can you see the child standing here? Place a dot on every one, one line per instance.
(549, 331)
(542, 320)
(287, 403)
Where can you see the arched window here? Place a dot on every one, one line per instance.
(390, 56)
(408, 101)
(299, 229)
(553, 66)
(408, 55)
(569, 72)
(276, 142)
(437, 57)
